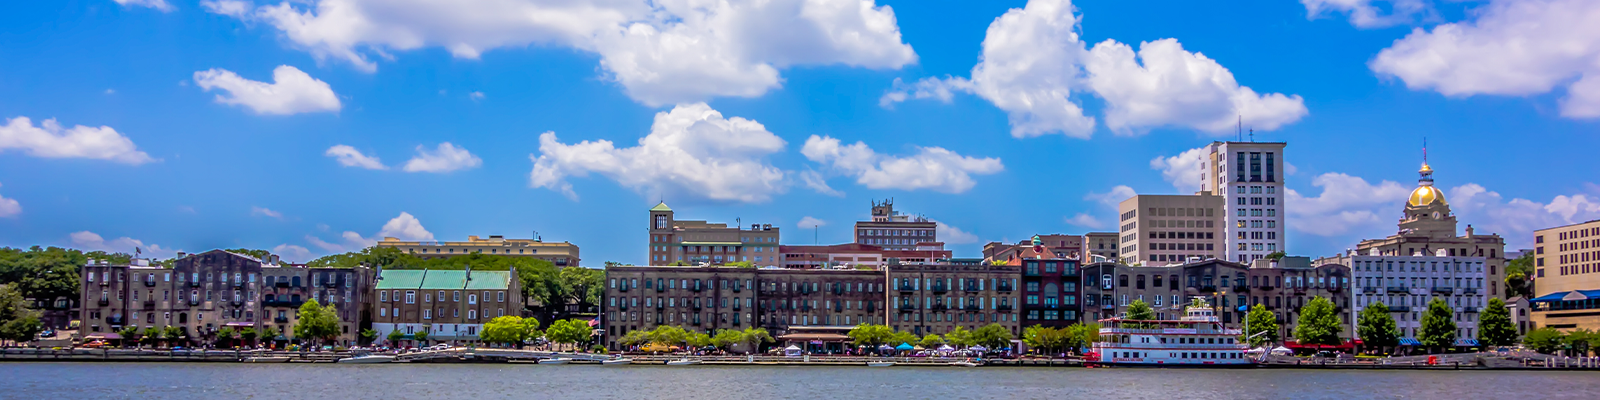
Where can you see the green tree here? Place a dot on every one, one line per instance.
(257, 253)
(507, 329)
(1376, 327)
(1276, 255)
(1438, 328)
(753, 338)
(395, 336)
(1319, 324)
(742, 264)
(315, 323)
(902, 337)
(367, 336)
(669, 335)
(267, 333)
(992, 336)
(421, 336)
(22, 329)
(249, 334)
(872, 335)
(1494, 325)
(930, 341)
(1545, 340)
(1517, 273)
(726, 338)
(959, 337)
(1580, 341)
(174, 334)
(1080, 335)
(635, 338)
(130, 334)
(225, 335)
(699, 340)
(17, 321)
(1262, 322)
(1139, 310)
(569, 331)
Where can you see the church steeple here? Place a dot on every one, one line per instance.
(1426, 210)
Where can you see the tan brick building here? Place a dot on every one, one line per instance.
(562, 254)
(1171, 229)
(937, 297)
(694, 242)
(1567, 277)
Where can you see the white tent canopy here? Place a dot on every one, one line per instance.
(1281, 350)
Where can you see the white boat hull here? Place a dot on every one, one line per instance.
(683, 362)
(555, 361)
(267, 360)
(622, 361)
(367, 360)
(963, 364)
(880, 364)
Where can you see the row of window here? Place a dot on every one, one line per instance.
(427, 313)
(455, 295)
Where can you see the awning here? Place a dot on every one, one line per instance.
(1410, 342)
(1466, 343)
(1576, 295)
(978, 348)
(904, 346)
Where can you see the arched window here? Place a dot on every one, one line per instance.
(1050, 290)
(295, 281)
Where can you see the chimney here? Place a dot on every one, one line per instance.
(91, 261)
(182, 254)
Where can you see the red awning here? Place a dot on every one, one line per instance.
(1347, 345)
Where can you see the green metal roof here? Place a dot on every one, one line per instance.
(439, 279)
(490, 280)
(661, 207)
(401, 279)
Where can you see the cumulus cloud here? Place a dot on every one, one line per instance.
(1034, 61)
(156, 4)
(475, 96)
(403, 227)
(446, 158)
(810, 222)
(660, 52)
(265, 212)
(1517, 218)
(350, 157)
(1112, 198)
(691, 151)
(815, 181)
(292, 253)
(1346, 203)
(1184, 171)
(1370, 13)
(9, 207)
(87, 240)
(1507, 47)
(291, 91)
(953, 235)
(50, 140)
(1086, 221)
(932, 168)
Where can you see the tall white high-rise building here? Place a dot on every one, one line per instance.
(1249, 176)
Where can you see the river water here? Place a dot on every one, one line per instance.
(40, 380)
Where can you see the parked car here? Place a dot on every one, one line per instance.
(94, 345)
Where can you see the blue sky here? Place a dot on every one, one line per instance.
(194, 135)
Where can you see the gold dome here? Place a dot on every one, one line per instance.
(1426, 169)
(1425, 195)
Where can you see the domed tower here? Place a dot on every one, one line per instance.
(1427, 212)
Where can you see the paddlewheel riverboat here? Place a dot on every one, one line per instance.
(1196, 340)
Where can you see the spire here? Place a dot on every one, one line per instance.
(1426, 171)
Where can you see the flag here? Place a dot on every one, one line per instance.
(594, 322)
(1243, 307)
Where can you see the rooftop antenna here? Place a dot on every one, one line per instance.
(1252, 135)
(1424, 149)
(1239, 130)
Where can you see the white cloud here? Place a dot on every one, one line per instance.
(1184, 171)
(1516, 219)
(1086, 221)
(86, 240)
(475, 96)
(661, 52)
(953, 235)
(1370, 13)
(350, 157)
(815, 181)
(110, 91)
(808, 222)
(691, 151)
(292, 253)
(403, 227)
(9, 207)
(50, 140)
(446, 158)
(1347, 203)
(291, 91)
(266, 212)
(1174, 87)
(1034, 60)
(156, 4)
(931, 168)
(1112, 198)
(1513, 48)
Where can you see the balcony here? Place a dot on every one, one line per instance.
(697, 289)
(1241, 289)
(972, 307)
(238, 284)
(149, 282)
(281, 319)
(1444, 290)
(1334, 288)
(907, 288)
(1005, 287)
(1396, 289)
(331, 283)
(1469, 290)
(1399, 308)
(194, 283)
(150, 304)
(695, 307)
(1469, 309)
(1003, 307)
(194, 302)
(1369, 290)
(282, 284)
(623, 307)
(1208, 288)
(104, 282)
(105, 302)
(940, 307)
(282, 303)
(736, 288)
(1052, 306)
(696, 322)
(660, 305)
(116, 320)
(940, 289)
(1265, 287)
(623, 288)
(905, 308)
(736, 307)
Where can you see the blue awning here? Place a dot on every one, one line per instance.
(904, 346)
(1466, 343)
(1549, 298)
(1410, 342)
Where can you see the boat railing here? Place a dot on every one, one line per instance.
(1217, 346)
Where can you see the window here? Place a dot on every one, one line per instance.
(472, 299)
(427, 314)
(411, 297)
(472, 314)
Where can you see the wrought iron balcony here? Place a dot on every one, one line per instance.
(1470, 290)
(905, 308)
(907, 288)
(149, 282)
(1469, 309)
(1399, 308)
(150, 304)
(194, 283)
(938, 289)
(1003, 307)
(105, 302)
(1240, 288)
(1397, 289)
(972, 307)
(1444, 290)
(116, 320)
(939, 307)
(282, 284)
(1005, 287)
(281, 319)
(1265, 287)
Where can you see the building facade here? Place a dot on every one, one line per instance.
(1405, 284)
(894, 231)
(1110, 286)
(855, 255)
(1050, 292)
(1284, 286)
(1102, 244)
(1428, 229)
(562, 254)
(938, 297)
(205, 292)
(1171, 229)
(450, 306)
(1567, 277)
(1249, 176)
(694, 242)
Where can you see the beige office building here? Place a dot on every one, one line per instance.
(1102, 244)
(1170, 229)
(1567, 277)
(563, 254)
(694, 242)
